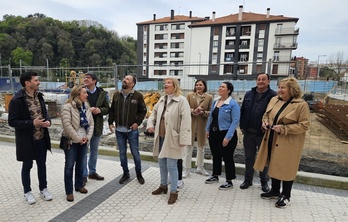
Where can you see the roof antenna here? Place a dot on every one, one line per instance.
(179, 10)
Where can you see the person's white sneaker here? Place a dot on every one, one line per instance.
(46, 195)
(185, 173)
(202, 171)
(180, 184)
(29, 198)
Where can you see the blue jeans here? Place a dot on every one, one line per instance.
(133, 139)
(76, 154)
(93, 156)
(41, 154)
(168, 165)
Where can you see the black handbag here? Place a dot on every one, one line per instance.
(64, 142)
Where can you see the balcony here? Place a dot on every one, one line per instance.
(281, 59)
(287, 31)
(244, 46)
(285, 46)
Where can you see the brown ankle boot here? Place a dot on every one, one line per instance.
(161, 189)
(172, 198)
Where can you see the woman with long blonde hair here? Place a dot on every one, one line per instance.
(78, 126)
(171, 123)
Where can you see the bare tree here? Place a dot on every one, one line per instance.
(337, 63)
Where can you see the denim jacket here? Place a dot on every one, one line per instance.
(228, 119)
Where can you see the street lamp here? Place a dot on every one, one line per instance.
(319, 66)
(199, 67)
(20, 66)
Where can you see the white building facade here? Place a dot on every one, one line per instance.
(237, 46)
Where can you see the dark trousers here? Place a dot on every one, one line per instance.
(179, 169)
(220, 153)
(252, 143)
(287, 186)
(40, 156)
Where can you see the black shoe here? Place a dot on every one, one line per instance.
(246, 184)
(282, 202)
(84, 181)
(270, 195)
(140, 178)
(124, 178)
(264, 187)
(95, 176)
(212, 179)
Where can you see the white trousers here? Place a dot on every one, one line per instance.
(188, 157)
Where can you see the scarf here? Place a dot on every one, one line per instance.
(83, 117)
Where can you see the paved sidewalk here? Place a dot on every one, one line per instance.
(109, 201)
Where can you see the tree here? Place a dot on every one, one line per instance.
(19, 54)
(337, 63)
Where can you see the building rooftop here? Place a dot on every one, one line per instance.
(176, 18)
(247, 17)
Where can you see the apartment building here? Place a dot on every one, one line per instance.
(236, 46)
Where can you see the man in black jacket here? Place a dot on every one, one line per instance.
(128, 110)
(99, 103)
(253, 107)
(28, 115)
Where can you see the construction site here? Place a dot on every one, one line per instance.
(326, 146)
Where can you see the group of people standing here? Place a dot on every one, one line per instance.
(273, 125)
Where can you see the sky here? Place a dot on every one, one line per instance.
(323, 24)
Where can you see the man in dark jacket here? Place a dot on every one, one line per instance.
(253, 107)
(99, 103)
(128, 110)
(28, 115)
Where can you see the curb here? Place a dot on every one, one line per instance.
(314, 179)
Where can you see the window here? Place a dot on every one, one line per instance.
(243, 69)
(214, 68)
(259, 68)
(228, 57)
(275, 69)
(177, 45)
(276, 56)
(228, 69)
(178, 26)
(144, 72)
(216, 31)
(214, 56)
(230, 31)
(259, 55)
(260, 42)
(160, 72)
(145, 28)
(161, 27)
(215, 43)
(246, 30)
(145, 46)
(243, 57)
(262, 27)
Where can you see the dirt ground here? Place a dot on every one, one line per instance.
(323, 153)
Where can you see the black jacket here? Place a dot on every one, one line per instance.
(126, 112)
(254, 108)
(19, 118)
(103, 105)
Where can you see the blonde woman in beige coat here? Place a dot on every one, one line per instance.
(200, 102)
(170, 120)
(285, 121)
(78, 125)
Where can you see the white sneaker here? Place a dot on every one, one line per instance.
(46, 195)
(201, 170)
(29, 198)
(185, 173)
(180, 184)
